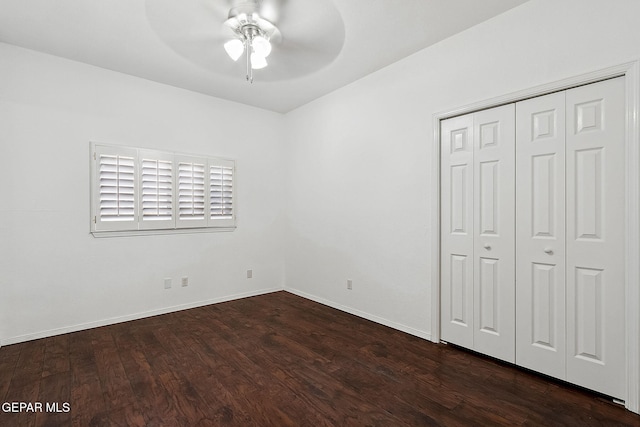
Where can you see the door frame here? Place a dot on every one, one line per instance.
(631, 72)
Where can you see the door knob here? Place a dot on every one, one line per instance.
(548, 250)
(487, 246)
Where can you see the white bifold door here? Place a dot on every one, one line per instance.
(478, 292)
(570, 236)
(540, 208)
(533, 234)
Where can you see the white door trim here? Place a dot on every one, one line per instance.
(631, 71)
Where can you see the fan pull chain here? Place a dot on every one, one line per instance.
(247, 49)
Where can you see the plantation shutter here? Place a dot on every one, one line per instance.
(191, 190)
(221, 192)
(156, 190)
(140, 190)
(115, 193)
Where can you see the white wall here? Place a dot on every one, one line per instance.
(54, 276)
(359, 159)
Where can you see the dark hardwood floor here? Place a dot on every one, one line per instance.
(277, 360)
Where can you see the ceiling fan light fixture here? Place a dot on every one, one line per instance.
(261, 46)
(252, 35)
(234, 48)
(258, 61)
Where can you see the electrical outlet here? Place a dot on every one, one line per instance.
(349, 284)
(185, 281)
(167, 283)
(249, 274)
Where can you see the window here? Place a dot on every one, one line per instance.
(145, 190)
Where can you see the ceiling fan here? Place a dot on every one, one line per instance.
(299, 36)
(252, 35)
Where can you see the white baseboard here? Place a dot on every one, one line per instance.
(386, 322)
(136, 316)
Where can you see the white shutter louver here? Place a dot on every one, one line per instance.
(114, 188)
(191, 193)
(157, 190)
(156, 202)
(116, 197)
(221, 192)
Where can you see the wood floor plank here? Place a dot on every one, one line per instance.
(87, 397)
(125, 416)
(8, 363)
(27, 393)
(29, 365)
(278, 360)
(56, 357)
(113, 379)
(54, 393)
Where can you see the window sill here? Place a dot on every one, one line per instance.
(129, 233)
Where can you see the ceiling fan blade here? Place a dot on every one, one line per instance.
(218, 9)
(271, 10)
(291, 59)
(305, 19)
(312, 37)
(168, 17)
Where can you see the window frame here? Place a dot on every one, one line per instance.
(175, 225)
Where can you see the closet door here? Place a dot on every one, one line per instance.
(456, 255)
(596, 237)
(477, 257)
(540, 234)
(494, 240)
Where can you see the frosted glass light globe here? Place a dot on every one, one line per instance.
(261, 46)
(234, 48)
(258, 61)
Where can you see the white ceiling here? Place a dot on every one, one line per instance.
(148, 39)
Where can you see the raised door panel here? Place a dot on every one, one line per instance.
(595, 237)
(494, 222)
(540, 234)
(457, 230)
